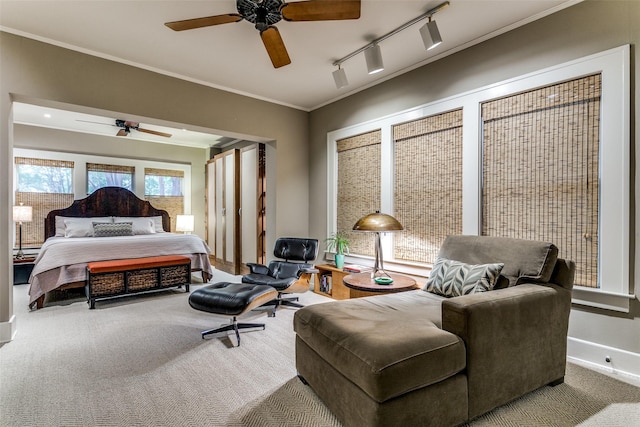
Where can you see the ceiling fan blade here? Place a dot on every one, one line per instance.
(154, 132)
(321, 10)
(122, 132)
(275, 47)
(190, 24)
(96, 123)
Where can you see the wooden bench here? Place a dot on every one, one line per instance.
(114, 278)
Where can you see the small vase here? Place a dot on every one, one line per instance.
(339, 260)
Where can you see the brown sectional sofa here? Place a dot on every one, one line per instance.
(415, 358)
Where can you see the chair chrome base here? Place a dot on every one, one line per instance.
(234, 326)
(280, 300)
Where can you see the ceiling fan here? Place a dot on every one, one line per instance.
(126, 126)
(265, 13)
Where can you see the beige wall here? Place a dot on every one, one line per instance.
(32, 71)
(581, 30)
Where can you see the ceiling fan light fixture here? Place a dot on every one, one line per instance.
(430, 35)
(265, 13)
(340, 77)
(373, 57)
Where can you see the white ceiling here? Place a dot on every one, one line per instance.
(35, 115)
(232, 56)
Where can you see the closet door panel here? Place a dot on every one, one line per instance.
(249, 205)
(211, 206)
(219, 209)
(229, 203)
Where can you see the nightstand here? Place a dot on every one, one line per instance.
(22, 270)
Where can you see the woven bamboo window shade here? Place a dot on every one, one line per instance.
(174, 205)
(99, 167)
(428, 184)
(42, 203)
(540, 171)
(358, 187)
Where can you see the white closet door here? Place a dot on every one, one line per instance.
(249, 203)
(211, 206)
(219, 208)
(229, 202)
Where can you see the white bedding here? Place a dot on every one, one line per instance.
(63, 260)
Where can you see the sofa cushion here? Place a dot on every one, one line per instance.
(454, 278)
(524, 260)
(387, 345)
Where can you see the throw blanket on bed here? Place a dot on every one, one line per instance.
(63, 260)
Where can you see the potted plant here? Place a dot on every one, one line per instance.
(339, 244)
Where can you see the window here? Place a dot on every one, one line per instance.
(540, 170)
(358, 187)
(162, 182)
(163, 188)
(44, 185)
(544, 156)
(101, 175)
(44, 176)
(428, 184)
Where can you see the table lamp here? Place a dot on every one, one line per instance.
(184, 223)
(378, 223)
(21, 214)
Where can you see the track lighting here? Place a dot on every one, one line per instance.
(372, 54)
(430, 35)
(373, 57)
(340, 77)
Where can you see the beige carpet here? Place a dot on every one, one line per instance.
(140, 361)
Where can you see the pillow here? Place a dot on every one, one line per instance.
(112, 229)
(61, 227)
(454, 278)
(140, 225)
(80, 227)
(157, 222)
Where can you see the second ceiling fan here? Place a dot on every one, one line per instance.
(265, 13)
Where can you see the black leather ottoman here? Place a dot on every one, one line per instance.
(232, 299)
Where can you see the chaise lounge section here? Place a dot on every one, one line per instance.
(417, 358)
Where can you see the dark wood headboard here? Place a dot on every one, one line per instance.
(106, 201)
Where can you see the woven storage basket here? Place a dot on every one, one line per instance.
(174, 275)
(107, 284)
(142, 279)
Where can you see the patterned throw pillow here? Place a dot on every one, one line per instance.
(113, 229)
(454, 278)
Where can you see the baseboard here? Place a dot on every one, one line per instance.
(8, 330)
(610, 359)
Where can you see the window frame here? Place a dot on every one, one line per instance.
(614, 261)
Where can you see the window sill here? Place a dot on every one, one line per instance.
(602, 299)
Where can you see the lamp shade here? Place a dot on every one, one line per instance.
(22, 213)
(340, 77)
(373, 57)
(184, 223)
(430, 35)
(378, 222)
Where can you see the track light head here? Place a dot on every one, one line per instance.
(340, 77)
(373, 56)
(430, 35)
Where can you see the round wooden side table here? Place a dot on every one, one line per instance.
(361, 284)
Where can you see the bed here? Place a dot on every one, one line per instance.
(70, 241)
